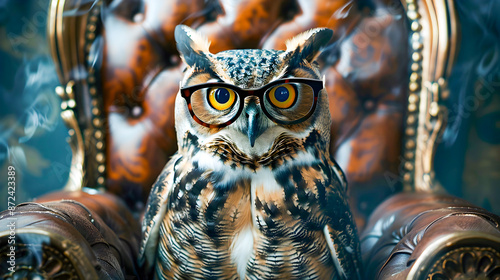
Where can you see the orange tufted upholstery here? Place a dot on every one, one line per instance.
(365, 68)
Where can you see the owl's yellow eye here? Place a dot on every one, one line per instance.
(221, 98)
(283, 96)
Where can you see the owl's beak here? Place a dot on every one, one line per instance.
(253, 128)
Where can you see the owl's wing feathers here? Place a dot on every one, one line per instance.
(155, 211)
(340, 231)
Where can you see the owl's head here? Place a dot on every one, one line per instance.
(252, 98)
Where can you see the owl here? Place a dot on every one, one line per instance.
(252, 192)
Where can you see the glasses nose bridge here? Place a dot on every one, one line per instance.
(251, 94)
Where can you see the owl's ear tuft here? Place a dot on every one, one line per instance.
(192, 46)
(307, 45)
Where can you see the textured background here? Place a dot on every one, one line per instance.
(32, 135)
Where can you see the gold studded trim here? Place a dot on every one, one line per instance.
(97, 117)
(433, 39)
(71, 38)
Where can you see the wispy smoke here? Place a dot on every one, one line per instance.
(478, 61)
(30, 107)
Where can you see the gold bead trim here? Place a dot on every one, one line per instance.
(100, 157)
(414, 88)
(410, 144)
(409, 155)
(96, 100)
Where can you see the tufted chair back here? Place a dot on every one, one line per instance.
(126, 102)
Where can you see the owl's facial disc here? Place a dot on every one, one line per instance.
(253, 132)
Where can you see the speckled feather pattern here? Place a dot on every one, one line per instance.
(204, 212)
(217, 212)
(249, 68)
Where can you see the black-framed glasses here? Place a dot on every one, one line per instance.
(285, 101)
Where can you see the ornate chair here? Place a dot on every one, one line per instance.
(386, 72)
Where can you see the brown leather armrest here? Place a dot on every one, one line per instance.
(430, 236)
(66, 237)
(110, 208)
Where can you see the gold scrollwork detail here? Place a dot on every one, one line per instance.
(68, 103)
(40, 262)
(96, 100)
(71, 41)
(40, 254)
(467, 263)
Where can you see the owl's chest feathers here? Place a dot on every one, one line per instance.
(218, 191)
(242, 210)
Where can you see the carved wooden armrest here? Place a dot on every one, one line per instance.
(66, 239)
(431, 236)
